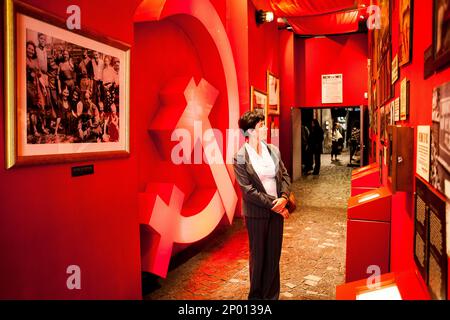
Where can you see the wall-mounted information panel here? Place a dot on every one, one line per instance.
(430, 251)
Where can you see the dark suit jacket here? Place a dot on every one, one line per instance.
(316, 140)
(256, 203)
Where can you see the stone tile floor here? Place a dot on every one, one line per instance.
(313, 256)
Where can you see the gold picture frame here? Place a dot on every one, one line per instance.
(259, 100)
(273, 92)
(41, 125)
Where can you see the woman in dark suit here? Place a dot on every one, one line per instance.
(265, 184)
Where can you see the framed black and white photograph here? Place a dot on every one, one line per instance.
(71, 93)
(440, 143)
(441, 33)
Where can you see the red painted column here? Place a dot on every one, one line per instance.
(287, 84)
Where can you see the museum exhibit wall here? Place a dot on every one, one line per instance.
(50, 220)
(343, 54)
(271, 49)
(302, 63)
(288, 94)
(421, 90)
(262, 49)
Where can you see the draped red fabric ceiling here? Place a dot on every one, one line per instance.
(302, 8)
(308, 17)
(333, 23)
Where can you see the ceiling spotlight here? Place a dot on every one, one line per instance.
(264, 16)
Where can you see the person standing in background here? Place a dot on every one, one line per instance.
(336, 137)
(316, 144)
(97, 65)
(354, 140)
(41, 53)
(306, 151)
(66, 73)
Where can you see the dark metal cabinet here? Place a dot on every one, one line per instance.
(401, 158)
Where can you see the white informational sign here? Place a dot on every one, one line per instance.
(404, 99)
(332, 88)
(395, 69)
(397, 109)
(392, 113)
(423, 152)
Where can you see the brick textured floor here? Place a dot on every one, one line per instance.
(313, 256)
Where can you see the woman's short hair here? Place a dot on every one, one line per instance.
(249, 120)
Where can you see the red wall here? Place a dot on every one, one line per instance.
(402, 227)
(237, 29)
(189, 54)
(262, 50)
(346, 54)
(288, 93)
(272, 50)
(50, 220)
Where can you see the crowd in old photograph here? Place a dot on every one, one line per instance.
(72, 93)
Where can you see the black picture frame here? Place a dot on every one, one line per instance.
(403, 62)
(441, 59)
(421, 229)
(435, 209)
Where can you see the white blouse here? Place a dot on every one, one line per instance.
(264, 168)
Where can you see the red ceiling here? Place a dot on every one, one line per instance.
(318, 17)
(301, 8)
(332, 23)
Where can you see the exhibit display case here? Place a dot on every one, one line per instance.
(404, 285)
(365, 179)
(361, 170)
(368, 233)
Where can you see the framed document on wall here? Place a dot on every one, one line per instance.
(430, 239)
(273, 91)
(332, 88)
(423, 152)
(259, 102)
(383, 124)
(421, 230)
(404, 99)
(395, 70)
